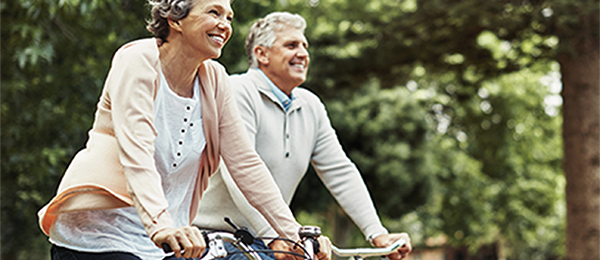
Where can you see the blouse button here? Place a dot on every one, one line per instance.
(188, 108)
(287, 154)
(180, 142)
(185, 120)
(174, 165)
(178, 154)
(183, 130)
(191, 124)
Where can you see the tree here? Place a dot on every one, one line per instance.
(447, 90)
(580, 69)
(391, 41)
(55, 56)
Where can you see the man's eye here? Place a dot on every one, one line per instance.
(213, 12)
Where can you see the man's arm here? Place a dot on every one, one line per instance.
(342, 178)
(345, 183)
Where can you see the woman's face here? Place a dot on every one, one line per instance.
(207, 27)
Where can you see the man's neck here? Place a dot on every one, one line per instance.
(284, 98)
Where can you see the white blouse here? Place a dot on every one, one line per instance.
(179, 144)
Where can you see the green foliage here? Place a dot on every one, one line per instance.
(55, 55)
(491, 166)
(393, 157)
(449, 108)
(518, 192)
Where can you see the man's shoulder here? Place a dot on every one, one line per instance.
(248, 82)
(306, 94)
(244, 79)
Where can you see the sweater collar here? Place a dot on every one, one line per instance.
(283, 99)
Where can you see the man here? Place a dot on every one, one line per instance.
(289, 128)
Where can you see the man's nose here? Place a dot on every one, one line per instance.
(303, 51)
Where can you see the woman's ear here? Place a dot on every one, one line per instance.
(261, 54)
(174, 25)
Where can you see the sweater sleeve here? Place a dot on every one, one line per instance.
(249, 171)
(131, 89)
(342, 178)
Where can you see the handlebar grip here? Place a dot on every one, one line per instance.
(316, 245)
(166, 248)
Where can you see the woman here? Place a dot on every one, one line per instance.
(164, 119)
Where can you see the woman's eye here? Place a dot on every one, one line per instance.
(213, 12)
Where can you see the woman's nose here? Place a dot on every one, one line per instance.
(224, 24)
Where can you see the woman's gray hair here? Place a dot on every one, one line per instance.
(162, 10)
(262, 32)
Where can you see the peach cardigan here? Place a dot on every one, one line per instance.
(116, 169)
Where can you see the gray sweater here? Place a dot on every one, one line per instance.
(286, 142)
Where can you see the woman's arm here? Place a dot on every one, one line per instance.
(248, 170)
(131, 86)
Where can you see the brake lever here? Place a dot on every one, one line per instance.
(241, 233)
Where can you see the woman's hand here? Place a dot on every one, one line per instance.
(388, 239)
(187, 239)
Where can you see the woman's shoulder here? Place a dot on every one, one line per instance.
(214, 72)
(141, 45)
(215, 67)
(142, 49)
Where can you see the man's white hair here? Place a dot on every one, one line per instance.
(262, 32)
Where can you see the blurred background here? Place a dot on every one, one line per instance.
(473, 122)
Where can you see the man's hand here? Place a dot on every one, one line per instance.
(388, 239)
(324, 248)
(281, 245)
(189, 239)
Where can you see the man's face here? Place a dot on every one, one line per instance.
(286, 62)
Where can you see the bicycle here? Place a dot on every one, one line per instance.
(242, 239)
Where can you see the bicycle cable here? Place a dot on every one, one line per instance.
(296, 245)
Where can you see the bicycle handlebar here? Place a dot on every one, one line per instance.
(214, 243)
(368, 252)
(309, 235)
(216, 249)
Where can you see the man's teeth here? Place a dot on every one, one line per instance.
(299, 66)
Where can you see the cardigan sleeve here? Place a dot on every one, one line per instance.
(246, 103)
(131, 86)
(247, 169)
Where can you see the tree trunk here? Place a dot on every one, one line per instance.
(581, 132)
(342, 227)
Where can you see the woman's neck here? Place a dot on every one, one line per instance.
(179, 68)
